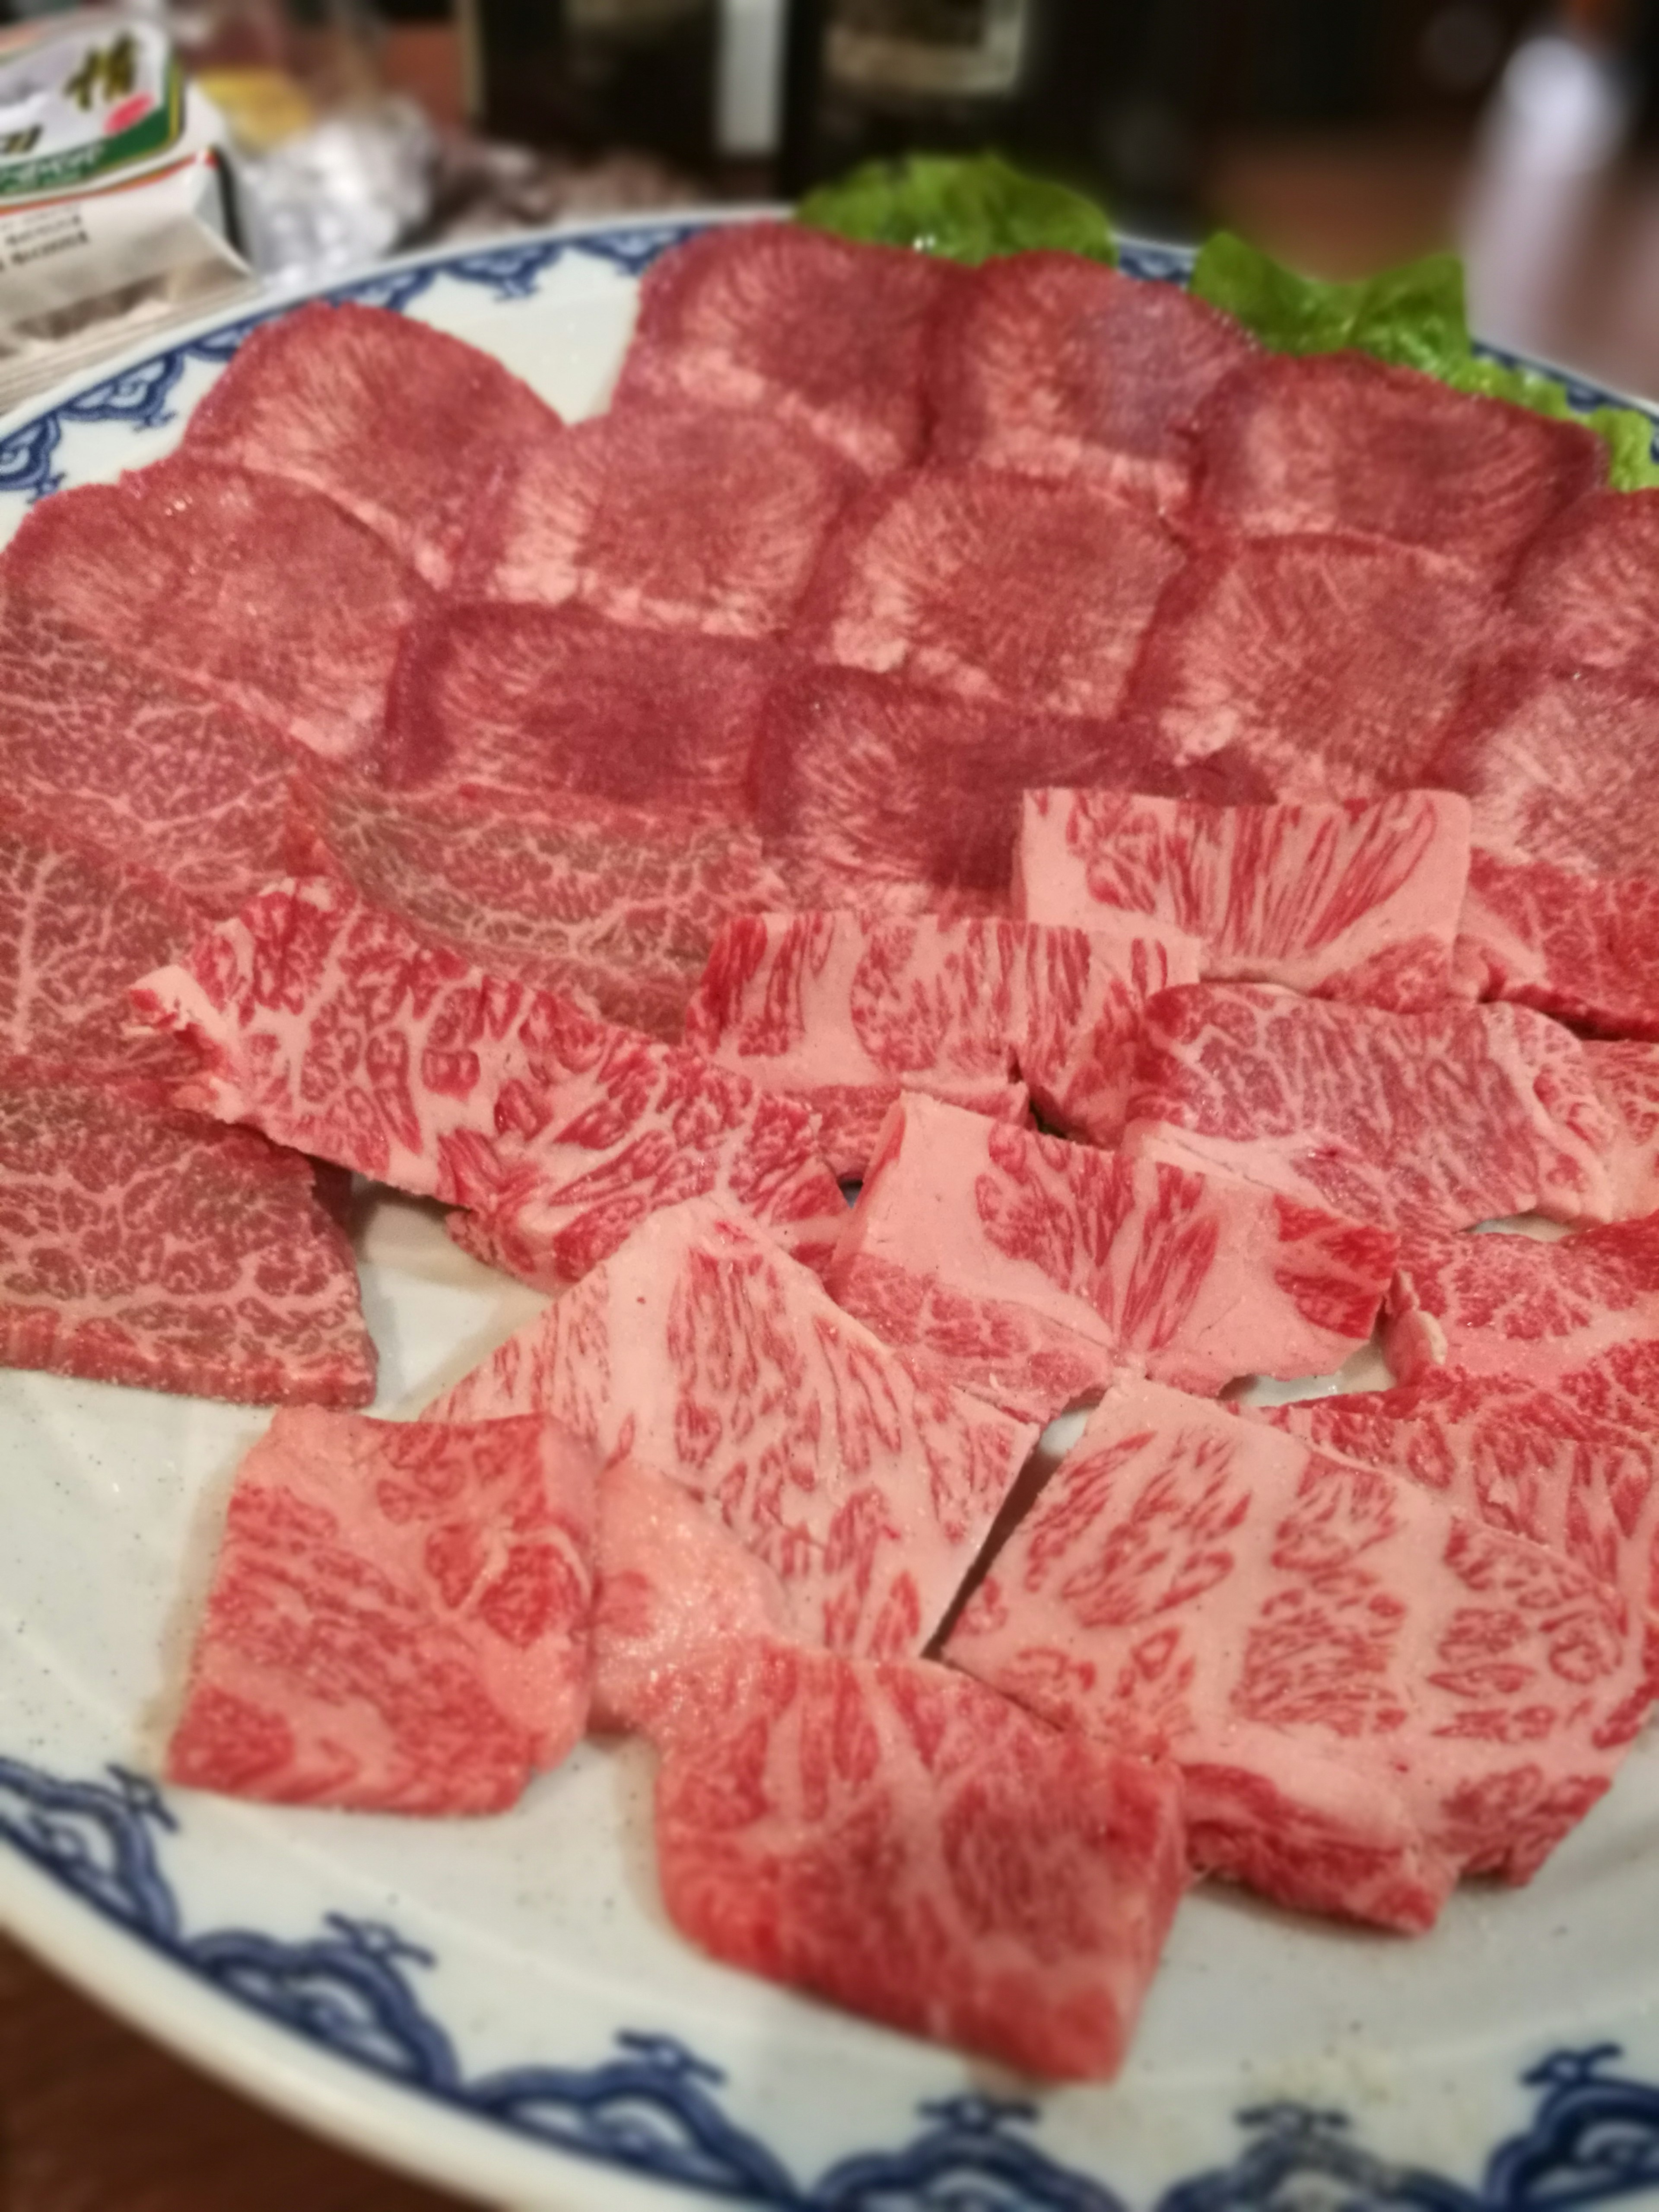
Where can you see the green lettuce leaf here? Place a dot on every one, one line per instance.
(967, 209)
(1413, 315)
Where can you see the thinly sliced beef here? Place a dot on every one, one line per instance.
(1343, 441)
(1332, 665)
(875, 785)
(399, 1616)
(1032, 595)
(76, 929)
(677, 518)
(1529, 1461)
(145, 1246)
(770, 317)
(844, 1011)
(1438, 1120)
(1626, 1080)
(906, 1845)
(1588, 592)
(320, 1021)
(398, 423)
(1052, 365)
(1557, 766)
(1513, 1304)
(258, 594)
(616, 907)
(701, 1348)
(1579, 947)
(1368, 1695)
(1352, 899)
(155, 775)
(547, 704)
(675, 1587)
(1030, 1270)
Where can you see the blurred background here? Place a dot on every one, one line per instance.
(1341, 137)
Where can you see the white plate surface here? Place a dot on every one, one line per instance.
(501, 2006)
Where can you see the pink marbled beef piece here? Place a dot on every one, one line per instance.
(400, 1619)
(674, 517)
(1349, 899)
(145, 1246)
(902, 1842)
(1031, 1270)
(1502, 1303)
(398, 423)
(1438, 1119)
(1574, 946)
(1368, 1695)
(258, 594)
(1627, 1079)
(701, 1349)
(322, 1022)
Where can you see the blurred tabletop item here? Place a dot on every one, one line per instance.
(94, 2118)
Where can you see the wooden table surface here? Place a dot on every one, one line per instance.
(92, 2119)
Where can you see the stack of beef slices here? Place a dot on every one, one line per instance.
(998, 736)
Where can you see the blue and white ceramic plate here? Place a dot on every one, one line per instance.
(501, 2006)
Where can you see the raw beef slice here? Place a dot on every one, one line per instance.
(399, 1616)
(910, 1846)
(1626, 1080)
(76, 929)
(675, 1589)
(1342, 441)
(396, 422)
(1438, 1120)
(261, 595)
(677, 518)
(616, 907)
(1557, 767)
(1030, 1270)
(1351, 899)
(843, 1011)
(1588, 592)
(1367, 1695)
(1531, 1462)
(1512, 1304)
(546, 704)
(772, 319)
(322, 1022)
(143, 1246)
(1579, 947)
(1001, 588)
(149, 774)
(864, 784)
(701, 1348)
(1051, 365)
(1330, 665)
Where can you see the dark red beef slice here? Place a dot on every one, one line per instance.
(1559, 766)
(677, 518)
(871, 783)
(1588, 592)
(830, 335)
(1341, 441)
(994, 586)
(1332, 663)
(1055, 365)
(400, 1616)
(914, 1847)
(615, 906)
(77, 928)
(150, 774)
(551, 703)
(398, 423)
(1577, 946)
(145, 1246)
(263, 596)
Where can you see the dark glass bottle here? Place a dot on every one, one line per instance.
(596, 74)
